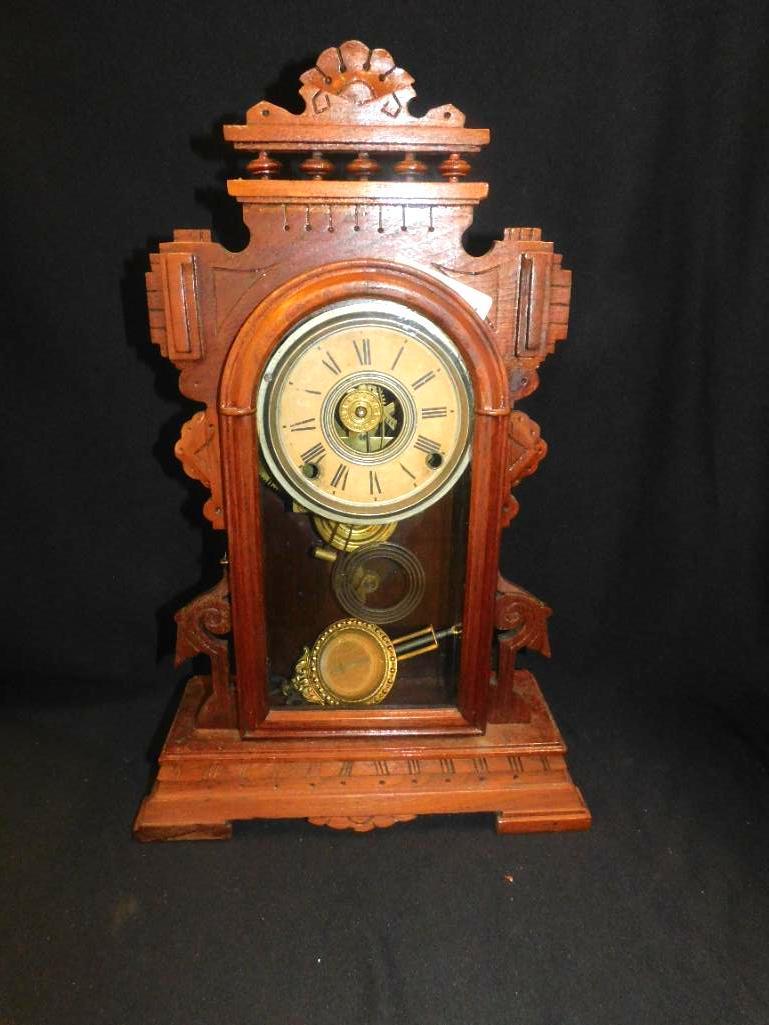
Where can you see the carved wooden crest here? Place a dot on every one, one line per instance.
(354, 85)
(355, 74)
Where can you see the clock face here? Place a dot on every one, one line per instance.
(364, 412)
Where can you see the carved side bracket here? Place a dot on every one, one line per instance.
(201, 629)
(522, 621)
(526, 450)
(198, 451)
(522, 615)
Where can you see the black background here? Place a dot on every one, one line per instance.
(635, 134)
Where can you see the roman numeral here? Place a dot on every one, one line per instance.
(302, 425)
(311, 391)
(364, 352)
(430, 412)
(426, 445)
(314, 454)
(339, 480)
(395, 361)
(407, 471)
(373, 483)
(423, 379)
(331, 365)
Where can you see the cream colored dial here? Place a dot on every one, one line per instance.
(364, 412)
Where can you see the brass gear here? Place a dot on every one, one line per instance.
(361, 409)
(347, 537)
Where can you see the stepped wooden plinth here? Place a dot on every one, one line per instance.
(210, 778)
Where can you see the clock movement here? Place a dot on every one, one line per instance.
(358, 375)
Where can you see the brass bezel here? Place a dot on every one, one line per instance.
(308, 333)
(308, 679)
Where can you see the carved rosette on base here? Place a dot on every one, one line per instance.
(360, 823)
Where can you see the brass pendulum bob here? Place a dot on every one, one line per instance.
(355, 662)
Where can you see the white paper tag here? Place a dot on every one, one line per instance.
(479, 301)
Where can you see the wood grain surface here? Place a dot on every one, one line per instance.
(365, 200)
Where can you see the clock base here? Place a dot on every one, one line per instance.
(210, 778)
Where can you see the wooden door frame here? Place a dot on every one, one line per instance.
(265, 327)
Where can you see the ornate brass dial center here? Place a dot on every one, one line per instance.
(361, 409)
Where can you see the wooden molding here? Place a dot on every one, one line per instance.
(344, 193)
(268, 323)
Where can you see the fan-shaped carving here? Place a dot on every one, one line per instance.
(355, 74)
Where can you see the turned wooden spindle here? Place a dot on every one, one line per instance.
(264, 166)
(454, 167)
(362, 167)
(316, 166)
(410, 167)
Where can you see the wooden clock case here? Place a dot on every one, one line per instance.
(232, 753)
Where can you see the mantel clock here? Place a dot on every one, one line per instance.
(359, 375)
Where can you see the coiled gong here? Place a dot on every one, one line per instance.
(381, 583)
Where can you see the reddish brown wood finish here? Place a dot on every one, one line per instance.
(217, 315)
(201, 628)
(521, 620)
(356, 98)
(517, 771)
(270, 322)
(525, 451)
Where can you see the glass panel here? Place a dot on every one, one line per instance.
(412, 581)
(364, 416)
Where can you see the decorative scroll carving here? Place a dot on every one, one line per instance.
(198, 451)
(361, 824)
(526, 450)
(201, 629)
(522, 621)
(519, 612)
